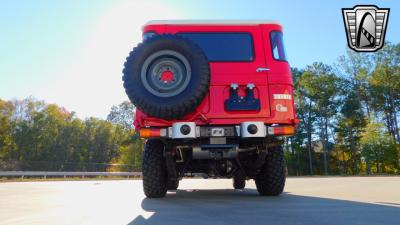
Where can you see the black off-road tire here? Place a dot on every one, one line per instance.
(164, 107)
(172, 185)
(239, 180)
(272, 176)
(154, 170)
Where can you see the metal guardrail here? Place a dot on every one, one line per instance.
(66, 174)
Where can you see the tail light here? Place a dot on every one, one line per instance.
(281, 130)
(152, 132)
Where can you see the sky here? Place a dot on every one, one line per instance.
(72, 52)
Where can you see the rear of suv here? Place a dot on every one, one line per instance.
(213, 98)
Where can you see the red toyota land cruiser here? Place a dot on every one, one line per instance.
(214, 98)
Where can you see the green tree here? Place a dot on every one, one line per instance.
(351, 122)
(356, 68)
(299, 159)
(385, 92)
(305, 108)
(131, 154)
(321, 86)
(123, 114)
(48, 137)
(6, 127)
(379, 149)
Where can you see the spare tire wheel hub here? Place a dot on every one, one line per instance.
(167, 76)
(165, 73)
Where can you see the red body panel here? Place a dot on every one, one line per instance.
(278, 80)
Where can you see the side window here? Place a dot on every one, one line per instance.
(278, 49)
(224, 46)
(147, 35)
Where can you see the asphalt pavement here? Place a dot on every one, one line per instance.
(306, 201)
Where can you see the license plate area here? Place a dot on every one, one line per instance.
(218, 131)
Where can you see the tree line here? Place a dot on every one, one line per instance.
(348, 115)
(39, 136)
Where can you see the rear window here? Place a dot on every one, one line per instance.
(224, 47)
(278, 49)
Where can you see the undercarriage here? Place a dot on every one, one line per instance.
(241, 159)
(200, 158)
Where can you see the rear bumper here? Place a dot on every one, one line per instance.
(189, 130)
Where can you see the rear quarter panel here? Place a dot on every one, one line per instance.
(280, 81)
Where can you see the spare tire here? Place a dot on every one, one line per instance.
(166, 76)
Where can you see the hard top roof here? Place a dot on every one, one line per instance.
(210, 22)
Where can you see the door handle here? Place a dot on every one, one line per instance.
(262, 69)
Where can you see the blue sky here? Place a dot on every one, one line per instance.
(72, 52)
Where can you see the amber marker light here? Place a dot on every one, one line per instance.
(149, 132)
